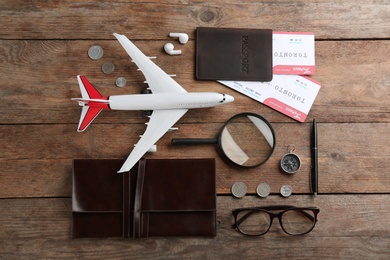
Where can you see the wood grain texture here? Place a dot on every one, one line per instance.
(330, 19)
(43, 46)
(39, 79)
(352, 157)
(40, 228)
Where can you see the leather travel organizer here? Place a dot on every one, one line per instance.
(158, 197)
(233, 54)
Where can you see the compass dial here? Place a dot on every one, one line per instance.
(290, 163)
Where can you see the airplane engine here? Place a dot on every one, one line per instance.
(152, 149)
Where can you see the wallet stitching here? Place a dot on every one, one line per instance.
(126, 204)
(138, 199)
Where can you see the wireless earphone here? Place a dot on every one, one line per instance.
(183, 37)
(169, 48)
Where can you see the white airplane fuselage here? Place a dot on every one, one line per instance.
(168, 101)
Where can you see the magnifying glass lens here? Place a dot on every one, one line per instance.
(247, 140)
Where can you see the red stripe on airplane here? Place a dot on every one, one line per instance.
(89, 117)
(102, 105)
(91, 90)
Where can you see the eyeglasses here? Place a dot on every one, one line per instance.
(258, 220)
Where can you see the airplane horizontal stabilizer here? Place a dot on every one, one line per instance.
(92, 103)
(88, 114)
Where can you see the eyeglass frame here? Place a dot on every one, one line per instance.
(266, 209)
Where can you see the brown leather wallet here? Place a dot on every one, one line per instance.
(233, 54)
(158, 197)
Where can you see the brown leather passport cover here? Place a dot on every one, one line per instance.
(233, 54)
(158, 197)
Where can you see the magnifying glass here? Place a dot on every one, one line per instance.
(246, 139)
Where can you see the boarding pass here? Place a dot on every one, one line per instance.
(293, 53)
(292, 95)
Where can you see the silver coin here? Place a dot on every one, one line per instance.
(239, 189)
(95, 52)
(263, 190)
(286, 190)
(120, 82)
(108, 67)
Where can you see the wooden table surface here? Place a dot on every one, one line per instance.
(43, 46)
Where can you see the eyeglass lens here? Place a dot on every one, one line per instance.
(298, 221)
(253, 222)
(257, 222)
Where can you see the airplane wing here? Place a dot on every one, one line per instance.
(159, 123)
(158, 80)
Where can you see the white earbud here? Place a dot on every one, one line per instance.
(183, 37)
(169, 48)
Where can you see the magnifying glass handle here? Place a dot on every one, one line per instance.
(180, 141)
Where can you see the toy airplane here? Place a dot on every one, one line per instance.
(169, 102)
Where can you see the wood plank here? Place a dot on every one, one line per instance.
(43, 46)
(330, 19)
(38, 81)
(352, 157)
(41, 228)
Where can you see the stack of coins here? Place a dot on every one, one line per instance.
(108, 67)
(95, 52)
(286, 190)
(239, 189)
(263, 190)
(120, 82)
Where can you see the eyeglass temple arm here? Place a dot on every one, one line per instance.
(300, 210)
(277, 207)
(282, 207)
(312, 218)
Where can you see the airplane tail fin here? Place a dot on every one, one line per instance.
(87, 89)
(92, 103)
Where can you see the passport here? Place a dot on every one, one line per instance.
(233, 54)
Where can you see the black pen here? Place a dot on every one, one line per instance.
(314, 157)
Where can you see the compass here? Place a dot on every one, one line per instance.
(290, 162)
